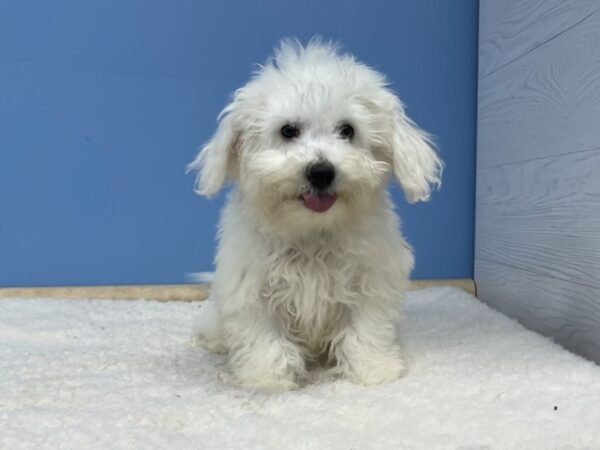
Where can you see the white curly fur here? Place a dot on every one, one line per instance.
(294, 288)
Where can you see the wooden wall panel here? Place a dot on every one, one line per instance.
(510, 29)
(543, 215)
(566, 311)
(537, 243)
(545, 103)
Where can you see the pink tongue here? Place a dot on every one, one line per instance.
(319, 203)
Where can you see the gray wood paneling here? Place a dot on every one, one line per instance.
(537, 249)
(543, 215)
(545, 103)
(566, 311)
(510, 29)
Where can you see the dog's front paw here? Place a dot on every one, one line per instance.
(273, 384)
(209, 331)
(212, 343)
(282, 378)
(375, 368)
(276, 367)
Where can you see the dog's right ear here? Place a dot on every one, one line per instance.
(217, 159)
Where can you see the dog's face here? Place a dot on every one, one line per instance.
(311, 140)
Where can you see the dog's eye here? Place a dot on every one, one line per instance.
(346, 131)
(290, 131)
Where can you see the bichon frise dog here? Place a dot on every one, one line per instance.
(311, 263)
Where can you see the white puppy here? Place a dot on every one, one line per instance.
(311, 263)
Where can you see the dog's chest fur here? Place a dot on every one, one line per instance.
(309, 288)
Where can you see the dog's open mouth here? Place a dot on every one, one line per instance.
(319, 202)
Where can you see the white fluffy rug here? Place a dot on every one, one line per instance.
(124, 374)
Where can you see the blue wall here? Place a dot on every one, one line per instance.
(102, 104)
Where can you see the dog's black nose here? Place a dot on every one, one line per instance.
(320, 175)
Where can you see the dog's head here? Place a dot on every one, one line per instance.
(312, 138)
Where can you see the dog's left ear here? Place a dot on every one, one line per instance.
(217, 160)
(415, 163)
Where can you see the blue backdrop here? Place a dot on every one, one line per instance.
(102, 104)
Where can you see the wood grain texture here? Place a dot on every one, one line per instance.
(169, 292)
(537, 249)
(545, 103)
(510, 29)
(543, 215)
(537, 239)
(566, 311)
(159, 292)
